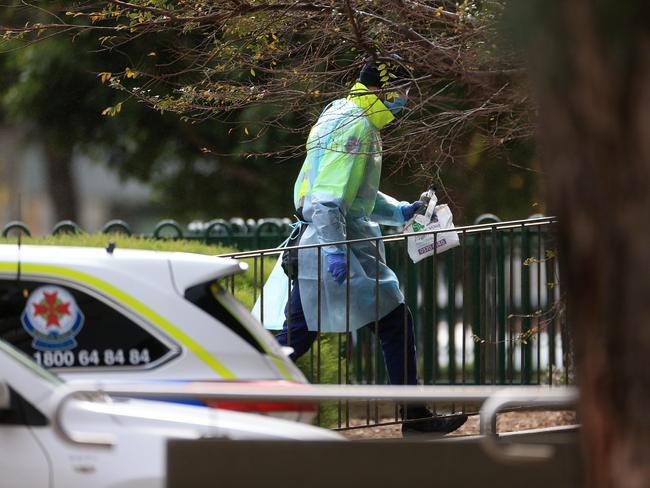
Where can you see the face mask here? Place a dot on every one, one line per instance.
(396, 101)
(396, 105)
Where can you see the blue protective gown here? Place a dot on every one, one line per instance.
(337, 190)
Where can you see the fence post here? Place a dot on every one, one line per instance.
(435, 317)
(551, 285)
(451, 316)
(483, 310)
(476, 301)
(466, 300)
(526, 350)
(501, 309)
(429, 304)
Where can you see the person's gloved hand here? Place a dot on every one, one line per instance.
(409, 210)
(337, 266)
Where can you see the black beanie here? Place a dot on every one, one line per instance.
(369, 75)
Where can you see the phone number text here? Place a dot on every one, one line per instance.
(94, 357)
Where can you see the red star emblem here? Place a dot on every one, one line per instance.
(52, 309)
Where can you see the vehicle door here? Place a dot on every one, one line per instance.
(23, 462)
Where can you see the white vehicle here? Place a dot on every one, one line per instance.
(34, 455)
(126, 315)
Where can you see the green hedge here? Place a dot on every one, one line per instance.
(243, 283)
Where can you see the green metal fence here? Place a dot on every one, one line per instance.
(237, 233)
(500, 289)
(487, 312)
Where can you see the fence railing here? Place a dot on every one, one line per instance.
(236, 232)
(489, 312)
(242, 234)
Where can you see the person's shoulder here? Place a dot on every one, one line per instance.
(343, 115)
(355, 117)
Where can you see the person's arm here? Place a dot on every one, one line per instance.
(388, 211)
(340, 173)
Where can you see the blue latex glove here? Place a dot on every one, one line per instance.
(409, 210)
(337, 265)
(396, 105)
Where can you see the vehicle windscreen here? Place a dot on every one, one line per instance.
(211, 298)
(28, 363)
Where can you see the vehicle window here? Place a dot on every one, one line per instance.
(207, 296)
(61, 327)
(21, 358)
(21, 412)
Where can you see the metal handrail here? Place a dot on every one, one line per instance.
(493, 399)
(509, 397)
(468, 229)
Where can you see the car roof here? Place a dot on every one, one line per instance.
(188, 269)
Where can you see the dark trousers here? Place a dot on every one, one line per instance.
(395, 338)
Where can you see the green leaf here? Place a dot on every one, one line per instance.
(112, 111)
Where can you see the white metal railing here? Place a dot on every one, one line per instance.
(493, 400)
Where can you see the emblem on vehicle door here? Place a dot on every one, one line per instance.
(52, 318)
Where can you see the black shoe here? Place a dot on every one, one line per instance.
(420, 421)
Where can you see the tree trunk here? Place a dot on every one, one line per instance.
(595, 145)
(60, 181)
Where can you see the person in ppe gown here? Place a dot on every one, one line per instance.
(337, 197)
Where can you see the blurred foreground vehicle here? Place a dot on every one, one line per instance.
(124, 315)
(36, 451)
